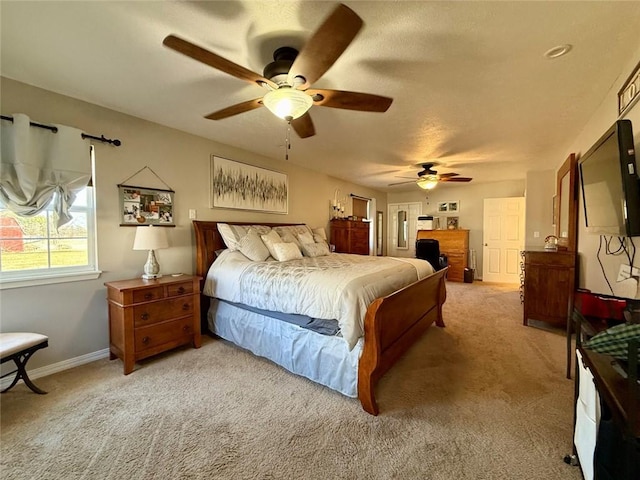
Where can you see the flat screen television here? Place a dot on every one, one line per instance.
(610, 183)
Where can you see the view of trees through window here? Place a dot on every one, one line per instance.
(34, 243)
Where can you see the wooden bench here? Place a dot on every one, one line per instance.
(19, 347)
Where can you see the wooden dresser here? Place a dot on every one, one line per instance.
(147, 317)
(350, 236)
(548, 285)
(455, 245)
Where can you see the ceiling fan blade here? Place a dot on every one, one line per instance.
(400, 183)
(235, 109)
(304, 126)
(364, 102)
(215, 61)
(456, 179)
(325, 46)
(448, 175)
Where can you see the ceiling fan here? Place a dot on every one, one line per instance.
(289, 77)
(428, 178)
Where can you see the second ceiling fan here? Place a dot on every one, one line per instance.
(428, 178)
(289, 77)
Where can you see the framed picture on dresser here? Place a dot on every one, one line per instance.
(452, 223)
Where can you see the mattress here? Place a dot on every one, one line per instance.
(324, 359)
(337, 286)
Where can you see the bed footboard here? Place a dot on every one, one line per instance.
(392, 324)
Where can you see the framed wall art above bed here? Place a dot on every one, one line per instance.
(247, 187)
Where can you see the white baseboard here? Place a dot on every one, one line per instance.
(58, 367)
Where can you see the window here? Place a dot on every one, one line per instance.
(33, 251)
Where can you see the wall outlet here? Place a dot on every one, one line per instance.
(192, 214)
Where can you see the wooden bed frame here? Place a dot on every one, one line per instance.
(392, 323)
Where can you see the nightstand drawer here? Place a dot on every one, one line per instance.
(179, 289)
(156, 335)
(155, 312)
(147, 294)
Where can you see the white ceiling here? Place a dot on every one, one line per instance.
(471, 87)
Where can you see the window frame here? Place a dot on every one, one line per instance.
(52, 275)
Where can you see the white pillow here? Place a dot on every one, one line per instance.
(286, 251)
(288, 237)
(315, 249)
(269, 239)
(305, 237)
(251, 246)
(293, 229)
(232, 234)
(321, 233)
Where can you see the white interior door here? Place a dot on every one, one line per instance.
(503, 239)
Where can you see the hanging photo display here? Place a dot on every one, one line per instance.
(146, 206)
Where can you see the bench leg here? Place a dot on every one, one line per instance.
(21, 373)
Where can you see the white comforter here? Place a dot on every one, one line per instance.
(338, 286)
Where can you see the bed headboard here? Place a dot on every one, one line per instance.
(209, 240)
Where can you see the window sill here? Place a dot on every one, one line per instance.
(48, 280)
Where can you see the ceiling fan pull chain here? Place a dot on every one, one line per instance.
(287, 141)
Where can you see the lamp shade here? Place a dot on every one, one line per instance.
(150, 238)
(287, 102)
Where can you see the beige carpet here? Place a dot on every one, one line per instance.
(484, 398)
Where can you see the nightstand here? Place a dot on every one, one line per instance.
(147, 317)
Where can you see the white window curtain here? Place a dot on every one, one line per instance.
(36, 164)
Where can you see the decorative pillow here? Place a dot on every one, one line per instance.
(305, 237)
(288, 237)
(232, 234)
(286, 251)
(292, 229)
(269, 239)
(315, 249)
(320, 232)
(228, 233)
(252, 247)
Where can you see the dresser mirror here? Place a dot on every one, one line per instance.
(567, 208)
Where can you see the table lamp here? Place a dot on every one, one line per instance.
(150, 238)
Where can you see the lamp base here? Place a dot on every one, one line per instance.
(151, 276)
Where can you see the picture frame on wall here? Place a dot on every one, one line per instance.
(146, 206)
(241, 186)
(453, 207)
(443, 207)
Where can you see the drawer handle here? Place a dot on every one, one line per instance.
(148, 296)
(181, 290)
(185, 328)
(186, 306)
(145, 340)
(144, 316)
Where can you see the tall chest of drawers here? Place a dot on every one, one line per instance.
(455, 245)
(350, 236)
(147, 317)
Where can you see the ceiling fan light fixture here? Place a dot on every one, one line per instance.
(427, 182)
(287, 103)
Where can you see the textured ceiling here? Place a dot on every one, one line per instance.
(471, 87)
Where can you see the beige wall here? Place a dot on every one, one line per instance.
(590, 274)
(471, 197)
(74, 315)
